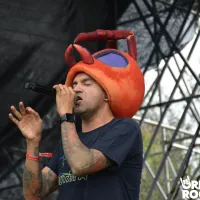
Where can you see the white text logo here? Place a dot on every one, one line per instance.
(191, 189)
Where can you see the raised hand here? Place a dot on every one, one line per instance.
(28, 121)
(186, 184)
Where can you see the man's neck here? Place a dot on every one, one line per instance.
(96, 122)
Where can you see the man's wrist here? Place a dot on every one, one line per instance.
(67, 117)
(33, 148)
(33, 143)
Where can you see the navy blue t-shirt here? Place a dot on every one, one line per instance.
(121, 141)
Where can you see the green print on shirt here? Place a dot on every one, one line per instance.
(69, 177)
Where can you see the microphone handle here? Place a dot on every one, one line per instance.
(41, 89)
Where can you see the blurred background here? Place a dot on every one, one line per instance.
(33, 38)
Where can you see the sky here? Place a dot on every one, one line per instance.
(167, 82)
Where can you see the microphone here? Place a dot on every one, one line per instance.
(41, 89)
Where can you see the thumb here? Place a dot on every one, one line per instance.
(31, 111)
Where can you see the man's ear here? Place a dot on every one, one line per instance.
(106, 97)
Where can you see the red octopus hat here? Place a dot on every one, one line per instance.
(116, 72)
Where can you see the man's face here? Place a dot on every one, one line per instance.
(91, 93)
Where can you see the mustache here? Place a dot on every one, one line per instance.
(77, 97)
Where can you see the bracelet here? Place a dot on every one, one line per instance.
(47, 155)
(32, 157)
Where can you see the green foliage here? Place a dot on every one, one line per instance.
(155, 157)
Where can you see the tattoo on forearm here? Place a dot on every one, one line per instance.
(96, 162)
(43, 183)
(75, 150)
(30, 178)
(46, 183)
(72, 145)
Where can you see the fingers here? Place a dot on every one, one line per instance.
(13, 119)
(71, 90)
(17, 116)
(63, 89)
(58, 88)
(22, 108)
(16, 113)
(31, 111)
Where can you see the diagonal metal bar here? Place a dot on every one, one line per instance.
(156, 40)
(184, 164)
(151, 88)
(195, 18)
(157, 183)
(171, 96)
(195, 111)
(189, 56)
(170, 145)
(156, 45)
(180, 139)
(138, 18)
(177, 7)
(167, 103)
(167, 35)
(195, 172)
(163, 114)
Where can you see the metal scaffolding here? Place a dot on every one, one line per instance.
(165, 176)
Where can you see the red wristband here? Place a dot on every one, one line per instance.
(32, 157)
(47, 155)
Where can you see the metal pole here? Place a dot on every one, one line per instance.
(157, 183)
(170, 145)
(167, 103)
(184, 164)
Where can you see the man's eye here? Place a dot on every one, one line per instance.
(87, 83)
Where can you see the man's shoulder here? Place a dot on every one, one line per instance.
(129, 122)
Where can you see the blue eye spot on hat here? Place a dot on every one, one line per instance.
(112, 58)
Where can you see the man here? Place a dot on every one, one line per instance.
(104, 160)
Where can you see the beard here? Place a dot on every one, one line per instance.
(85, 110)
(79, 109)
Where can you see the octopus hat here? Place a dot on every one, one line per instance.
(115, 71)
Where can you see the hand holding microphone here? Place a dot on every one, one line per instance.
(65, 96)
(65, 99)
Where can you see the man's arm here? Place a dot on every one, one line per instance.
(80, 158)
(37, 183)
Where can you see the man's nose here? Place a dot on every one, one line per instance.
(78, 88)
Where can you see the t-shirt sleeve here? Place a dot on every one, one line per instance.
(117, 142)
(53, 162)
